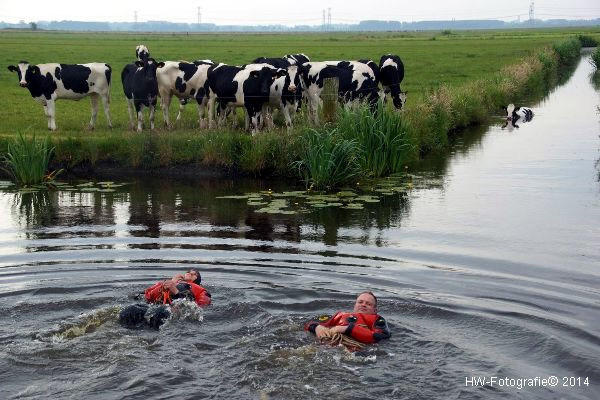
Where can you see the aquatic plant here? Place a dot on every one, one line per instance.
(327, 159)
(385, 142)
(28, 160)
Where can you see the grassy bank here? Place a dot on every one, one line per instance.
(453, 81)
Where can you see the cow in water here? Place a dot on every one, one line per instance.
(141, 89)
(50, 82)
(515, 115)
(232, 86)
(185, 81)
(357, 81)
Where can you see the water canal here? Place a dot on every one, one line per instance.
(488, 266)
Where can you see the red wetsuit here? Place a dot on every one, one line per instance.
(366, 328)
(154, 294)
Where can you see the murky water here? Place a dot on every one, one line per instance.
(488, 267)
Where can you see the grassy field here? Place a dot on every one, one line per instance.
(431, 59)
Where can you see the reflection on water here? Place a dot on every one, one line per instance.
(487, 265)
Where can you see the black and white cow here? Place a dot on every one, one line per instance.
(286, 91)
(142, 53)
(50, 82)
(232, 86)
(297, 59)
(357, 81)
(517, 114)
(141, 89)
(186, 81)
(275, 62)
(391, 74)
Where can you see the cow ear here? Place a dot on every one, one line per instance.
(254, 74)
(160, 65)
(281, 72)
(12, 68)
(139, 63)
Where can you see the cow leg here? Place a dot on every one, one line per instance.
(286, 114)
(268, 117)
(47, 115)
(201, 109)
(51, 108)
(130, 111)
(182, 103)
(211, 111)
(152, 109)
(94, 101)
(165, 103)
(140, 116)
(106, 106)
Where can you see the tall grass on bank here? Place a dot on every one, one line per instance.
(587, 41)
(327, 159)
(385, 142)
(28, 160)
(596, 59)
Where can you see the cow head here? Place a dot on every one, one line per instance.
(149, 67)
(297, 59)
(294, 77)
(266, 76)
(26, 72)
(142, 53)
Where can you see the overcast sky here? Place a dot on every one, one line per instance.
(291, 12)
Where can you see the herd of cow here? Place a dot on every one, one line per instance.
(260, 87)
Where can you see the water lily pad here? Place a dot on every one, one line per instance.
(346, 194)
(88, 184)
(232, 197)
(257, 203)
(367, 199)
(106, 190)
(354, 206)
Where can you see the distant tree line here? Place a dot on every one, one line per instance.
(372, 25)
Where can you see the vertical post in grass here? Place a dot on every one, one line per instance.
(330, 98)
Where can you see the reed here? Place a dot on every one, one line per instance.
(568, 51)
(595, 60)
(28, 159)
(587, 41)
(385, 141)
(327, 159)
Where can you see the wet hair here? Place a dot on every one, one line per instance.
(199, 278)
(370, 293)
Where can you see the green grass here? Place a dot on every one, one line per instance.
(439, 78)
